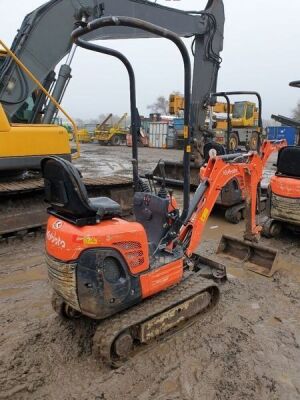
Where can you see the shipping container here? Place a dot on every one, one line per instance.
(145, 124)
(289, 133)
(171, 138)
(158, 132)
(178, 124)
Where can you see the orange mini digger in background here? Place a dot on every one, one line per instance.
(108, 268)
(283, 207)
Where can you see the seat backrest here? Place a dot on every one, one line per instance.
(152, 212)
(64, 189)
(288, 162)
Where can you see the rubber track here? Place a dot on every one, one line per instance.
(25, 186)
(22, 202)
(110, 329)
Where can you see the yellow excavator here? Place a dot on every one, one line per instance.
(114, 135)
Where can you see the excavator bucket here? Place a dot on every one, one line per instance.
(257, 258)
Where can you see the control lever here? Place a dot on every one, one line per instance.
(161, 165)
(162, 192)
(134, 167)
(138, 184)
(149, 177)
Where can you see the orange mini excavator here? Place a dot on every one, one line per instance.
(235, 213)
(140, 277)
(283, 207)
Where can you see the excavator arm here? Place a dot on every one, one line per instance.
(269, 147)
(118, 124)
(219, 171)
(41, 48)
(99, 126)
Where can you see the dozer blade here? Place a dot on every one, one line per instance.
(174, 173)
(257, 258)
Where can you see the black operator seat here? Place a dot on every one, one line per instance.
(68, 198)
(288, 162)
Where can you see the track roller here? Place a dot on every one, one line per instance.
(62, 309)
(271, 228)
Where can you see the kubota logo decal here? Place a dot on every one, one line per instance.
(57, 224)
(56, 240)
(230, 171)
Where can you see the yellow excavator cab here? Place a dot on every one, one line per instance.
(22, 146)
(244, 114)
(4, 123)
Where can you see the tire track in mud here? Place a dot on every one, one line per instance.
(216, 358)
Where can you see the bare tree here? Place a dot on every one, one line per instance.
(296, 111)
(161, 105)
(79, 122)
(177, 93)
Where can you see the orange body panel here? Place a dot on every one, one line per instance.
(161, 278)
(65, 241)
(285, 187)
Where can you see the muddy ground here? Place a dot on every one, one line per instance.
(247, 348)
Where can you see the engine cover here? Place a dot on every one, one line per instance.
(65, 242)
(285, 199)
(98, 284)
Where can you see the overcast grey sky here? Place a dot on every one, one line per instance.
(261, 52)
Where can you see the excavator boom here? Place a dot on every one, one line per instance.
(104, 121)
(33, 43)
